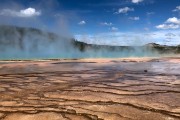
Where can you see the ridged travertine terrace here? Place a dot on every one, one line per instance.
(90, 89)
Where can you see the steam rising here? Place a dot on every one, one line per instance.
(27, 43)
(26, 35)
(31, 43)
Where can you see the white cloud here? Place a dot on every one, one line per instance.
(167, 26)
(106, 24)
(82, 22)
(169, 36)
(150, 13)
(124, 10)
(173, 20)
(29, 12)
(146, 29)
(114, 29)
(170, 23)
(132, 38)
(136, 1)
(134, 18)
(177, 9)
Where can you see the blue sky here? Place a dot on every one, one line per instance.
(122, 22)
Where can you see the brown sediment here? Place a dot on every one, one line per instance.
(91, 89)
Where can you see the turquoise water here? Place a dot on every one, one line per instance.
(74, 54)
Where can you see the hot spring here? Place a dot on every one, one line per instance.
(31, 43)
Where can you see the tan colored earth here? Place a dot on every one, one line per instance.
(90, 89)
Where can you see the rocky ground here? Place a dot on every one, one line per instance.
(90, 89)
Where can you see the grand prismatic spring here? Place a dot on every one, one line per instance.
(89, 60)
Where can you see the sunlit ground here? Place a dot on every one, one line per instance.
(110, 89)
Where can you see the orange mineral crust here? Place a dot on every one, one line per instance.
(90, 89)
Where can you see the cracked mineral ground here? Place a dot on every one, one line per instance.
(90, 89)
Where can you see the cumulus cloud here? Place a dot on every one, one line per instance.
(82, 22)
(124, 10)
(167, 26)
(170, 23)
(29, 12)
(176, 9)
(134, 18)
(106, 24)
(132, 38)
(136, 1)
(114, 29)
(173, 20)
(150, 13)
